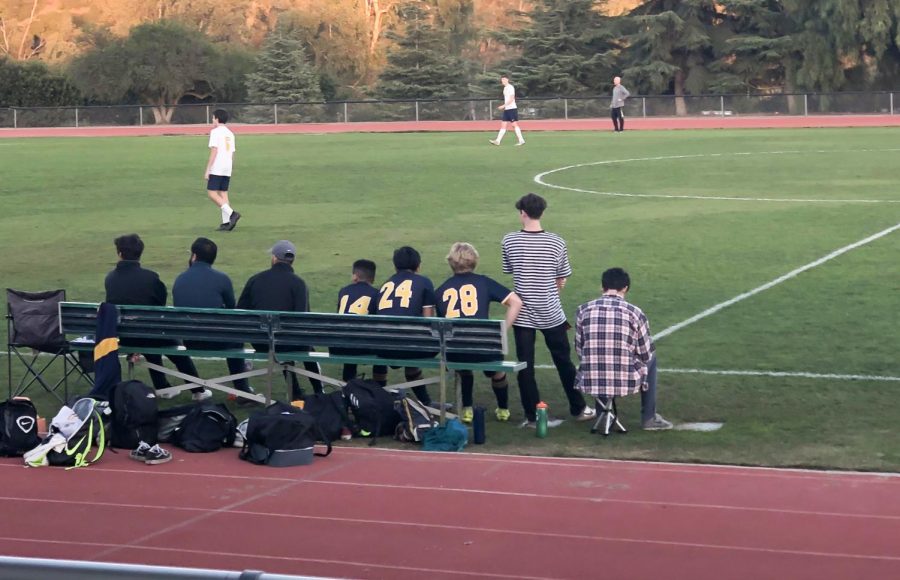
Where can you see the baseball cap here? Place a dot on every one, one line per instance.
(283, 249)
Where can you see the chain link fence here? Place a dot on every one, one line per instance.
(882, 103)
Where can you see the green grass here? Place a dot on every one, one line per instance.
(343, 197)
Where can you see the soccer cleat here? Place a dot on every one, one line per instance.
(520, 143)
(140, 454)
(223, 227)
(156, 455)
(233, 220)
(468, 415)
(202, 395)
(493, 142)
(502, 414)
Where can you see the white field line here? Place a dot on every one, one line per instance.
(792, 274)
(788, 374)
(539, 178)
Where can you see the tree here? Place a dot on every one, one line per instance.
(32, 84)
(283, 74)
(418, 67)
(672, 45)
(158, 64)
(568, 47)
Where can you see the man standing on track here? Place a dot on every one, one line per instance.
(619, 94)
(510, 113)
(218, 168)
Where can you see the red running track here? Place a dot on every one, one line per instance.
(639, 124)
(370, 513)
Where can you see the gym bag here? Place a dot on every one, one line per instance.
(372, 407)
(18, 427)
(329, 412)
(282, 436)
(77, 436)
(207, 427)
(134, 415)
(415, 421)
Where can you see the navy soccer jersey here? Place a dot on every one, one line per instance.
(469, 296)
(406, 294)
(358, 298)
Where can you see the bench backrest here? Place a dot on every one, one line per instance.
(309, 329)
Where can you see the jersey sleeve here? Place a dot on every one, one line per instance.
(497, 292)
(563, 268)
(428, 295)
(507, 263)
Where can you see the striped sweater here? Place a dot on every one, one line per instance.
(536, 260)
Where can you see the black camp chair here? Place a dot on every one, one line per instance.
(32, 322)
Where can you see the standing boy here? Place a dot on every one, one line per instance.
(469, 295)
(510, 113)
(218, 168)
(360, 297)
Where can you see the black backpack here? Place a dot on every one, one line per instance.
(329, 411)
(134, 415)
(18, 427)
(207, 427)
(373, 408)
(281, 434)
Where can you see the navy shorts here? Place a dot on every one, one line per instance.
(218, 183)
(511, 115)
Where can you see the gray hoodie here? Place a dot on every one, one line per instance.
(619, 94)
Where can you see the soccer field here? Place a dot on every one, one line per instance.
(765, 251)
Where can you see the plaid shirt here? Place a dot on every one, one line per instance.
(612, 339)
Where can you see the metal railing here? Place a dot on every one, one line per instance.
(12, 568)
(471, 109)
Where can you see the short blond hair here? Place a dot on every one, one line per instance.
(463, 258)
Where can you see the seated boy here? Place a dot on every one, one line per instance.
(407, 293)
(360, 297)
(469, 295)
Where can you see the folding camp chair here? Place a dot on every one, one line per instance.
(607, 417)
(32, 322)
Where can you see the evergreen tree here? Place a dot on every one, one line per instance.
(283, 74)
(419, 66)
(672, 44)
(568, 47)
(32, 84)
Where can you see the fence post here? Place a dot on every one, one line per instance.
(15, 119)
(207, 114)
(805, 104)
(892, 103)
(491, 110)
(276, 113)
(644, 106)
(566, 109)
(346, 118)
(722, 106)
(141, 116)
(76, 117)
(417, 111)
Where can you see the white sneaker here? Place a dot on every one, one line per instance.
(551, 423)
(492, 142)
(202, 395)
(520, 143)
(587, 414)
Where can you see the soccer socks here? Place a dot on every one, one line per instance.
(467, 386)
(519, 134)
(500, 135)
(226, 212)
(501, 390)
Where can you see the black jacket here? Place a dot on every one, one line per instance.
(275, 289)
(128, 283)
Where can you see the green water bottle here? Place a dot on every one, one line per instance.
(541, 412)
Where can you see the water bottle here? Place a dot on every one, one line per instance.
(541, 412)
(478, 425)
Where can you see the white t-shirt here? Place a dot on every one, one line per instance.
(509, 94)
(223, 140)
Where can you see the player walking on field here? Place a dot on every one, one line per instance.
(510, 113)
(619, 94)
(218, 168)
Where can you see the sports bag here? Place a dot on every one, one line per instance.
(415, 421)
(169, 419)
(134, 415)
(18, 427)
(373, 408)
(282, 435)
(77, 436)
(329, 412)
(207, 427)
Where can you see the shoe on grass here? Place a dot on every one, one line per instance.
(587, 414)
(493, 142)
(223, 227)
(202, 395)
(468, 415)
(551, 423)
(657, 423)
(501, 414)
(520, 143)
(233, 220)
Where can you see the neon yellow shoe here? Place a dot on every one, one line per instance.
(468, 415)
(502, 414)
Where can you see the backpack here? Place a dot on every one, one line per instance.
(18, 427)
(416, 421)
(207, 427)
(77, 436)
(330, 413)
(134, 415)
(373, 408)
(169, 419)
(281, 436)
